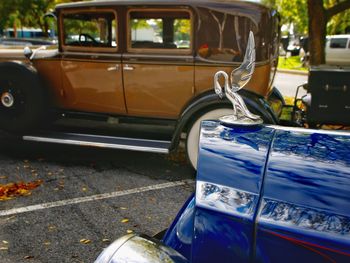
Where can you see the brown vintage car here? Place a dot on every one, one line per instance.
(137, 74)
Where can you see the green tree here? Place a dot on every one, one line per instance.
(292, 12)
(26, 13)
(319, 15)
(315, 17)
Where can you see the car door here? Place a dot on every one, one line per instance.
(91, 64)
(158, 68)
(304, 211)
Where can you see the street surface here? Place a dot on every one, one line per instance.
(88, 198)
(287, 83)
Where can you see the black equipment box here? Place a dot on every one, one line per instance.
(330, 96)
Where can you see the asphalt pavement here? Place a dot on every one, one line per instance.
(287, 83)
(88, 197)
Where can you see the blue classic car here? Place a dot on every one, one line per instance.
(263, 193)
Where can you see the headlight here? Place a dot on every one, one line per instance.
(141, 249)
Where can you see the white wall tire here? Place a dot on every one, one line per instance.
(192, 141)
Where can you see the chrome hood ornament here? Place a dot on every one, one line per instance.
(238, 79)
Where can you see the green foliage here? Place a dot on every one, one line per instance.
(26, 13)
(140, 23)
(339, 23)
(292, 63)
(295, 11)
(291, 11)
(182, 29)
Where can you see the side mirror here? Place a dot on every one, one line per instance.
(28, 52)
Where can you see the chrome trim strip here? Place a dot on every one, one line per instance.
(97, 144)
(157, 56)
(91, 54)
(114, 137)
(305, 130)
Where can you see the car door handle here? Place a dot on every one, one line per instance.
(128, 67)
(113, 68)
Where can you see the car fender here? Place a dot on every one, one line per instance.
(209, 100)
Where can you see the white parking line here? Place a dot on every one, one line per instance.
(79, 200)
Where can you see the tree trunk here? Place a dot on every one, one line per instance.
(317, 31)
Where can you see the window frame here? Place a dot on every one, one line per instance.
(130, 49)
(84, 48)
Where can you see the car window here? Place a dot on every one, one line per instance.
(221, 37)
(167, 30)
(338, 42)
(89, 30)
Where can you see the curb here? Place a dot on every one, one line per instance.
(295, 72)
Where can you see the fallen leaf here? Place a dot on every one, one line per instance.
(3, 177)
(106, 240)
(4, 248)
(47, 243)
(11, 190)
(52, 228)
(129, 231)
(85, 241)
(123, 208)
(84, 189)
(125, 220)
(28, 257)
(49, 173)
(5, 242)
(10, 218)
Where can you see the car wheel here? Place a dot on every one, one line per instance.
(192, 141)
(22, 99)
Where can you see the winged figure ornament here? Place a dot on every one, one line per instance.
(239, 77)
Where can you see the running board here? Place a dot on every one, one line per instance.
(133, 144)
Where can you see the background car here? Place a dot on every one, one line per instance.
(26, 42)
(138, 75)
(338, 50)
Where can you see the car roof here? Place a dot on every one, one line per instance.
(339, 36)
(156, 2)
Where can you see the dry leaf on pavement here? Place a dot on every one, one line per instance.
(85, 241)
(11, 190)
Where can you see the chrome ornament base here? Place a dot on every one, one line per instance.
(234, 120)
(7, 100)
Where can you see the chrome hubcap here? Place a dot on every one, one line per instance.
(7, 100)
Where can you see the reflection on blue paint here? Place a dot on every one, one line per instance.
(234, 157)
(302, 217)
(225, 199)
